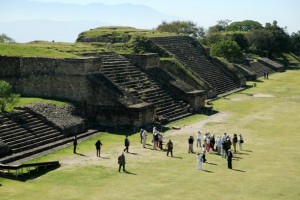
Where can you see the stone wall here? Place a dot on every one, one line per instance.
(135, 116)
(49, 77)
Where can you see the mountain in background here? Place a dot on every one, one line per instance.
(25, 20)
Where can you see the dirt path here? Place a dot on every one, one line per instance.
(109, 159)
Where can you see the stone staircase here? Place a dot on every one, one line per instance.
(27, 135)
(258, 68)
(130, 78)
(192, 55)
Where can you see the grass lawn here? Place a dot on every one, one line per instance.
(267, 168)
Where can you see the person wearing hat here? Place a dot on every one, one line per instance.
(229, 159)
(121, 161)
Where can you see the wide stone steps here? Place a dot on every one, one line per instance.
(47, 148)
(137, 83)
(192, 56)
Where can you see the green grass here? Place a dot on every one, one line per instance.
(23, 101)
(27, 100)
(120, 32)
(268, 168)
(32, 50)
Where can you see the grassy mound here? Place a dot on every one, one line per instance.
(117, 34)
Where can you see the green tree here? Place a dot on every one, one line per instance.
(227, 49)
(182, 27)
(270, 40)
(4, 38)
(295, 42)
(246, 25)
(261, 42)
(7, 96)
(241, 39)
(281, 39)
(220, 26)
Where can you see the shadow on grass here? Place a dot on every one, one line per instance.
(238, 170)
(248, 151)
(30, 175)
(80, 154)
(178, 157)
(104, 157)
(211, 163)
(237, 157)
(133, 153)
(128, 172)
(207, 171)
(245, 93)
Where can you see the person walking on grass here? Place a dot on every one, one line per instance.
(170, 148)
(127, 144)
(219, 145)
(98, 147)
(241, 141)
(199, 159)
(203, 153)
(229, 159)
(199, 139)
(144, 137)
(234, 142)
(191, 143)
(141, 135)
(74, 143)
(121, 162)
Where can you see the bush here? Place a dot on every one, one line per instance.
(228, 49)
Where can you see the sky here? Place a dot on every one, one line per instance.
(207, 12)
(26, 23)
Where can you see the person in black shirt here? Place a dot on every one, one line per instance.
(98, 147)
(127, 143)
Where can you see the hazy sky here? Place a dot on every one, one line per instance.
(207, 12)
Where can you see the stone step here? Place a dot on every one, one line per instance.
(46, 149)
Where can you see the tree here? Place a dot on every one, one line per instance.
(220, 26)
(261, 42)
(227, 49)
(246, 25)
(7, 96)
(269, 40)
(281, 39)
(295, 42)
(241, 39)
(182, 27)
(4, 38)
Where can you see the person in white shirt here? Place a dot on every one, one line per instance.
(199, 159)
(199, 139)
(144, 137)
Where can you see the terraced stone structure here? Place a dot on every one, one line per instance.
(192, 55)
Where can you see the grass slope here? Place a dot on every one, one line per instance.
(268, 168)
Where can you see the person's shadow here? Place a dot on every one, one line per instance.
(80, 154)
(238, 170)
(128, 172)
(207, 171)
